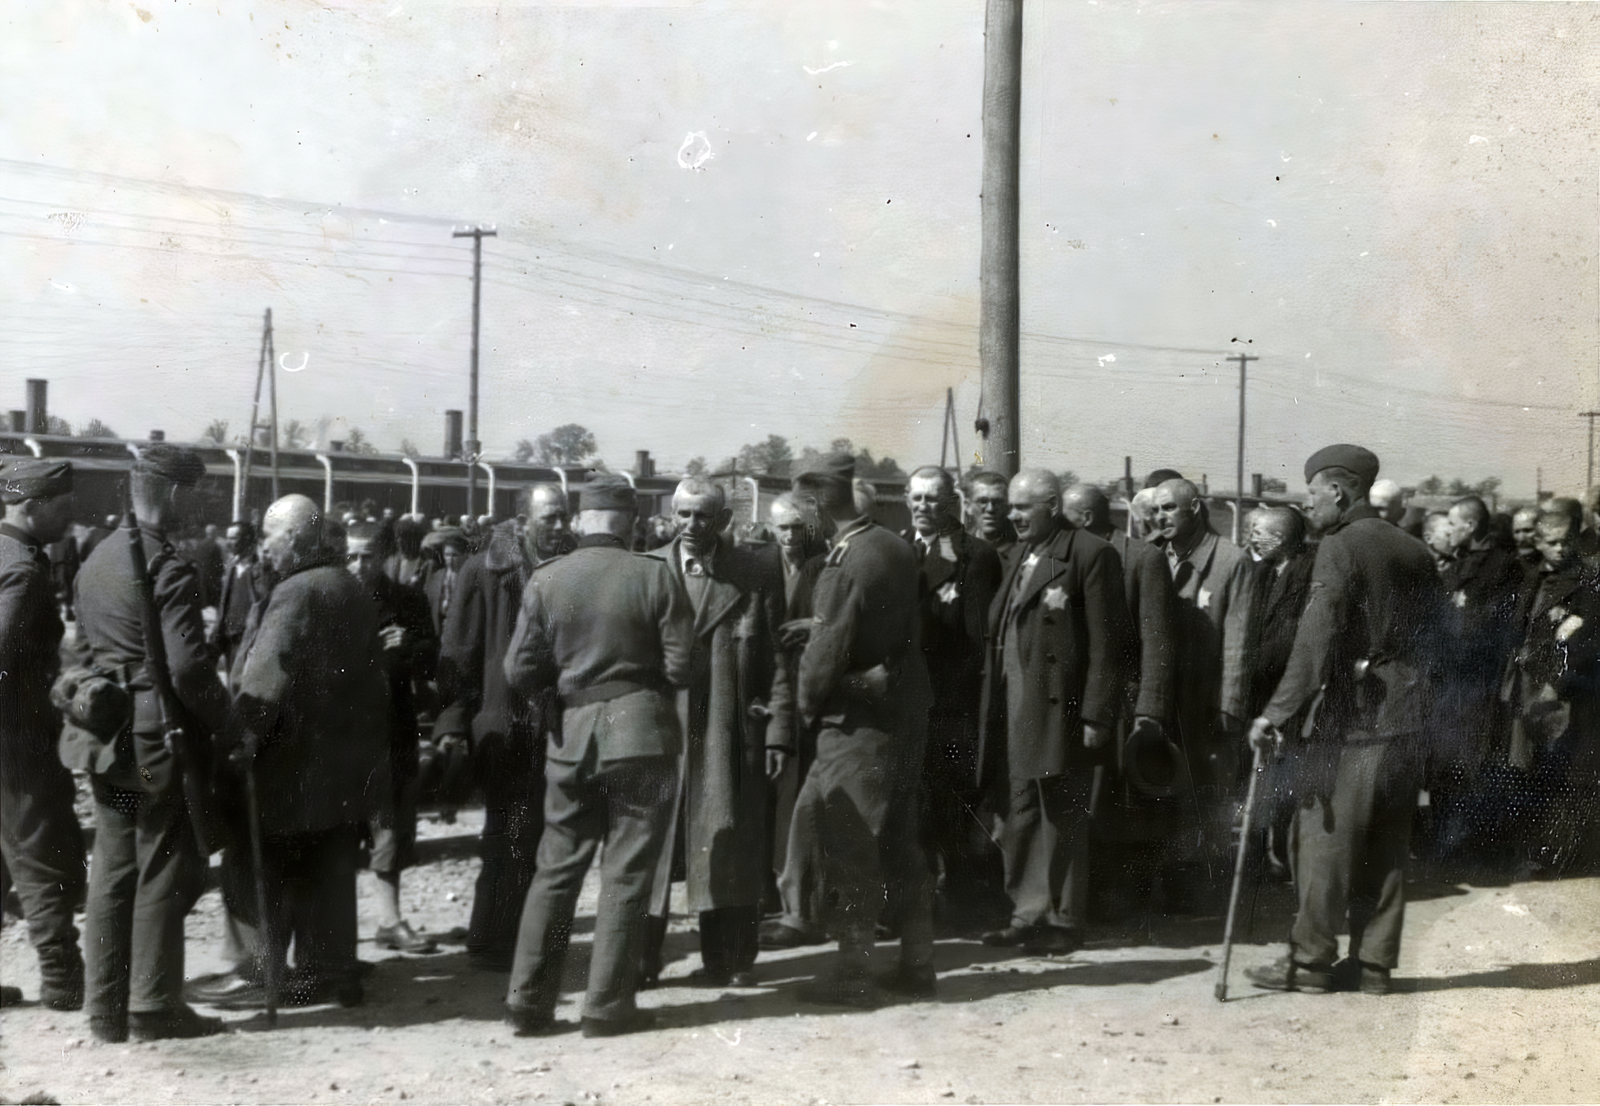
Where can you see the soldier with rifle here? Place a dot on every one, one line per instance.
(138, 605)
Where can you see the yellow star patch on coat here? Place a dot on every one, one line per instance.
(1203, 599)
(1055, 598)
(1030, 560)
(949, 593)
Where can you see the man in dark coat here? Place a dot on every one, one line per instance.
(147, 871)
(505, 731)
(443, 585)
(40, 841)
(1365, 666)
(307, 683)
(959, 574)
(1058, 632)
(990, 510)
(1553, 691)
(243, 584)
(1525, 537)
(736, 595)
(863, 686)
(612, 634)
(409, 651)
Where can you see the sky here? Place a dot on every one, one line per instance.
(718, 221)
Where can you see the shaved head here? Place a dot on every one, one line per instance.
(1087, 506)
(293, 531)
(1035, 498)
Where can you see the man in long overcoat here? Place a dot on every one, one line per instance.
(736, 594)
(39, 836)
(1058, 629)
(505, 731)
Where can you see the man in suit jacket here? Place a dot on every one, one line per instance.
(444, 584)
(959, 574)
(611, 632)
(736, 594)
(243, 583)
(1365, 664)
(1053, 686)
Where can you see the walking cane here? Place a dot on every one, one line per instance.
(270, 954)
(1238, 875)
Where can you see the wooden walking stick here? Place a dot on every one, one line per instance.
(1238, 874)
(269, 963)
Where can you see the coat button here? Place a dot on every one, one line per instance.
(1050, 658)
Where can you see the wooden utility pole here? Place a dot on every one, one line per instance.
(1238, 495)
(1591, 416)
(266, 369)
(999, 297)
(471, 447)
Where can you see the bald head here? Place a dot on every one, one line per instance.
(1469, 521)
(1276, 533)
(1087, 506)
(1035, 498)
(1524, 529)
(1177, 516)
(293, 532)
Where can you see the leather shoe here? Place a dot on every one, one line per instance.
(526, 1023)
(745, 978)
(778, 935)
(1286, 975)
(178, 1024)
(9, 995)
(402, 938)
(1011, 936)
(226, 989)
(1053, 941)
(634, 1022)
(108, 1030)
(1374, 980)
(912, 982)
(708, 977)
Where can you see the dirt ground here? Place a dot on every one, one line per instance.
(1497, 1000)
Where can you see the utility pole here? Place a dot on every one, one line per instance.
(951, 437)
(265, 370)
(999, 297)
(471, 446)
(1238, 495)
(1591, 416)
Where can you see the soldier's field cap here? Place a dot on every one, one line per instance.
(607, 492)
(34, 478)
(173, 462)
(835, 468)
(1362, 462)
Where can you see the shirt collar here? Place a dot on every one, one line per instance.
(851, 529)
(704, 560)
(601, 541)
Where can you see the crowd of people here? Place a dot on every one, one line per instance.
(1012, 721)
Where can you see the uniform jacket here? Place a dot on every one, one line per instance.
(723, 787)
(1201, 581)
(110, 626)
(308, 680)
(1264, 608)
(1153, 627)
(30, 639)
(954, 599)
(598, 624)
(1369, 639)
(1070, 638)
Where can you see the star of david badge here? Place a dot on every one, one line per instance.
(1032, 559)
(949, 593)
(1203, 600)
(1459, 598)
(1055, 598)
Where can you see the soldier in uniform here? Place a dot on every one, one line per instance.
(612, 634)
(505, 731)
(863, 686)
(1058, 630)
(147, 871)
(40, 841)
(1365, 662)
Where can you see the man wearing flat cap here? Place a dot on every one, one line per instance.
(862, 686)
(612, 633)
(1365, 664)
(39, 836)
(147, 870)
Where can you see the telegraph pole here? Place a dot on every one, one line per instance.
(999, 297)
(265, 370)
(1591, 416)
(471, 447)
(1238, 495)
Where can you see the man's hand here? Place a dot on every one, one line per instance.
(393, 637)
(1143, 724)
(450, 742)
(1096, 736)
(1229, 725)
(794, 634)
(1265, 736)
(777, 761)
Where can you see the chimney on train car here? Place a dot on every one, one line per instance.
(158, 435)
(452, 435)
(643, 463)
(18, 422)
(38, 413)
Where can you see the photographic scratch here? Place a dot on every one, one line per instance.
(725, 1039)
(826, 68)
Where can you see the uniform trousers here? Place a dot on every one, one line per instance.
(1348, 846)
(513, 822)
(1045, 841)
(860, 800)
(311, 900)
(146, 875)
(42, 846)
(626, 805)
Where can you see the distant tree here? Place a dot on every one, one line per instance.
(356, 442)
(216, 432)
(1431, 486)
(94, 428)
(1272, 485)
(1068, 478)
(292, 435)
(1488, 486)
(408, 448)
(565, 445)
(695, 467)
(1459, 486)
(772, 457)
(524, 451)
(54, 424)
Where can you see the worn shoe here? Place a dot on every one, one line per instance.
(1374, 980)
(1286, 975)
(9, 995)
(1053, 941)
(911, 982)
(1011, 936)
(108, 1030)
(636, 1022)
(224, 988)
(179, 1024)
(62, 996)
(402, 938)
(526, 1023)
(774, 934)
(708, 977)
(743, 978)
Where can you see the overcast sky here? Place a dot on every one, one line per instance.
(723, 220)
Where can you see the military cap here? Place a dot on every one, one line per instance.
(445, 535)
(362, 531)
(607, 493)
(835, 468)
(1362, 462)
(34, 478)
(172, 462)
